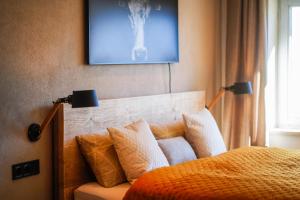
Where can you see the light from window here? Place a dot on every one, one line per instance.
(293, 80)
(288, 71)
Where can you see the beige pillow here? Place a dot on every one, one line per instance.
(168, 130)
(177, 150)
(100, 154)
(137, 149)
(203, 134)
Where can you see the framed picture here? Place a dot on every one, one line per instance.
(133, 31)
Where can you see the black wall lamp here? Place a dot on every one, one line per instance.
(79, 99)
(237, 88)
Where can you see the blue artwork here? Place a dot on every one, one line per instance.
(133, 31)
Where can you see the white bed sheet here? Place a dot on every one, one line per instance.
(94, 191)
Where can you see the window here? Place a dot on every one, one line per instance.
(288, 73)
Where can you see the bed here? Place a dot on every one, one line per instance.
(70, 169)
(246, 173)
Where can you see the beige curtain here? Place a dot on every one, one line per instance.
(244, 115)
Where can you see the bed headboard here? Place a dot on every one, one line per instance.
(70, 169)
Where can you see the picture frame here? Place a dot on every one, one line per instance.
(132, 31)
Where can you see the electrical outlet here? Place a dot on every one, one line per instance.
(25, 169)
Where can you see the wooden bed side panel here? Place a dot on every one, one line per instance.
(116, 112)
(57, 156)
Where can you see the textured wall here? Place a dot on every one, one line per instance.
(42, 58)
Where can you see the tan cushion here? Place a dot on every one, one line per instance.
(203, 134)
(168, 130)
(137, 149)
(177, 150)
(100, 154)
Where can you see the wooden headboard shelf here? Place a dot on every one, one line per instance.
(70, 169)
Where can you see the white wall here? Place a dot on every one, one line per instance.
(285, 139)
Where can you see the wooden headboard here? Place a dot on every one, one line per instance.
(70, 169)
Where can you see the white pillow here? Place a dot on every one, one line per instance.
(137, 149)
(203, 134)
(177, 150)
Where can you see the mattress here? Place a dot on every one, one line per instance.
(94, 191)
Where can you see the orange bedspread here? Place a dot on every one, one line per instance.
(245, 173)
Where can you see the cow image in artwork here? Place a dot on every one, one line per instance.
(139, 12)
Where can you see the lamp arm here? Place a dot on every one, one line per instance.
(50, 116)
(35, 130)
(215, 100)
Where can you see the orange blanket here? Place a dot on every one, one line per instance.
(245, 173)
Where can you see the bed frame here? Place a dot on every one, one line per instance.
(70, 169)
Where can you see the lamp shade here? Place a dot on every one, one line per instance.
(84, 98)
(240, 88)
